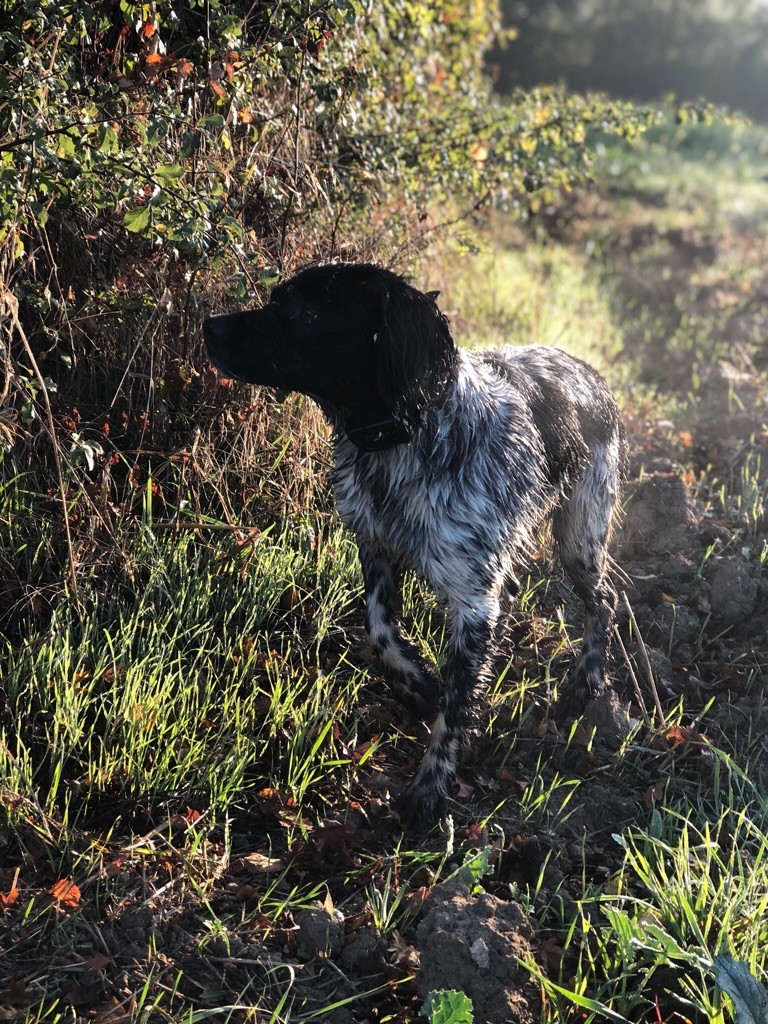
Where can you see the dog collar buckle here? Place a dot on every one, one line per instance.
(378, 435)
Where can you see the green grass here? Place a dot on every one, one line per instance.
(190, 684)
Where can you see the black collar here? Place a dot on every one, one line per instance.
(377, 435)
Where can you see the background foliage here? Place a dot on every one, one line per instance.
(715, 49)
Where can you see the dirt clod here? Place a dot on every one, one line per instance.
(610, 717)
(472, 944)
(366, 952)
(676, 624)
(320, 933)
(734, 592)
(660, 517)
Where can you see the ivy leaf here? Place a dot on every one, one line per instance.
(447, 1006)
(137, 220)
(65, 149)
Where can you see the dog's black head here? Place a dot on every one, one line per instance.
(372, 350)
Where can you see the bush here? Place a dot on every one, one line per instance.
(159, 160)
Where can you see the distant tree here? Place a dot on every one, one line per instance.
(641, 49)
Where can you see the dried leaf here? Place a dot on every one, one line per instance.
(653, 794)
(257, 864)
(65, 892)
(97, 961)
(332, 843)
(7, 898)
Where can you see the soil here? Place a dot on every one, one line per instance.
(473, 943)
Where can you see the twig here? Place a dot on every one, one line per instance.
(638, 692)
(182, 525)
(644, 655)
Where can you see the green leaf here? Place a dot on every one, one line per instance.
(40, 212)
(169, 172)
(137, 220)
(65, 150)
(269, 275)
(110, 143)
(476, 866)
(447, 1006)
(657, 825)
(749, 997)
(211, 121)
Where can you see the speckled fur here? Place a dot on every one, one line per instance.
(500, 442)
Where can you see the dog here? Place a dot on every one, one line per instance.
(447, 462)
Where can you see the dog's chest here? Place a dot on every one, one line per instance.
(438, 521)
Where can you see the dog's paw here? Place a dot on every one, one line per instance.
(419, 807)
(578, 692)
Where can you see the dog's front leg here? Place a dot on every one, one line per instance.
(467, 667)
(404, 668)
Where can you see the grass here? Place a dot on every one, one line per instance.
(204, 750)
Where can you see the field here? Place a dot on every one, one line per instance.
(196, 762)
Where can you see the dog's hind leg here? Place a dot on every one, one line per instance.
(404, 668)
(582, 529)
(467, 667)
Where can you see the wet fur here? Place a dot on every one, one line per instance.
(447, 462)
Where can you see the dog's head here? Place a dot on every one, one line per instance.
(357, 338)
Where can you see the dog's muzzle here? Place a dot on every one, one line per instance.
(214, 332)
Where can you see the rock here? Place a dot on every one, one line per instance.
(734, 592)
(472, 944)
(320, 933)
(660, 517)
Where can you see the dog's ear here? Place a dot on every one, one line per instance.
(415, 353)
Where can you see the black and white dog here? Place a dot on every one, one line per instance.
(446, 462)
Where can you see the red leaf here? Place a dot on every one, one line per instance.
(7, 898)
(65, 892)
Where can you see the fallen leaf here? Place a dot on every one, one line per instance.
(332, 843)
(653, 794)
(256, 864)
(7, 898)
(97, 961)
(65, 892)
